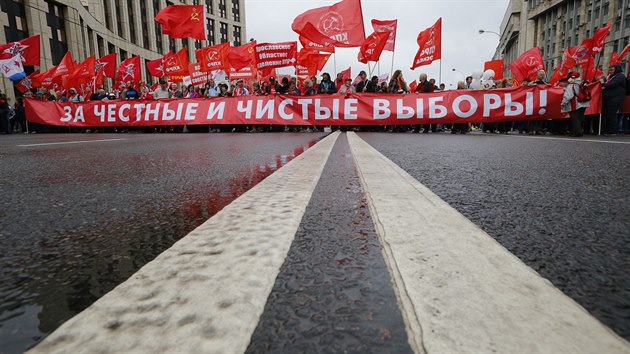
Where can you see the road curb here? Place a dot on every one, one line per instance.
(460, 290)
(206, 293)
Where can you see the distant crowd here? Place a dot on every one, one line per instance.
(615, 87)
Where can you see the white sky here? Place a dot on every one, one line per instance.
(463, 47)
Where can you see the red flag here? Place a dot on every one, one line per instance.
(599, 38)
(413, 86)
(38, 79)
(339, 25)
(106, 66)
(496, 66)
(312, 45)
(213, 58)
(129, 70)
(373, 46)
(387, 26)
(430, 42)
(86, 69)
(614, 59)
(26, 84)
(156, 67)
(346, 74)
(275, 55)
(242, 56)
(527, 65)
(313, 60)
(28, 48)
(560, 72)
(624, 52)
(183, 21)
(590, 71)
(65, 67)
(176, 64)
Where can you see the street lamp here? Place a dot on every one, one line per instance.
(481, 31)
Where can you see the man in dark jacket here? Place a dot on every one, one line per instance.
(613, 94)
(362, 85)
(326, 86)
(5, 126)
(372, 85)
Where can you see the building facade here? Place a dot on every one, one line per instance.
(553, 25)
(100, 27)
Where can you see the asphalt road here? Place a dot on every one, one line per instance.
(560, 205)
(77, 218)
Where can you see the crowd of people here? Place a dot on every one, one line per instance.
(615, 87)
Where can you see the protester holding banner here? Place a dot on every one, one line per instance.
(572, 105)
(613, 94)
(326, 86)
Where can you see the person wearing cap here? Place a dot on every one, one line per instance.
(347, 88)
(239, 90)
(570, 103)
(326, 86)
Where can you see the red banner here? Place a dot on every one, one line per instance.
(275, 55)
(182, 21)
(214, 57)
(339, 25)
(527, 65)
(513, 104)
(197, 77)
(430, 42)
(496, 66)
(308, 44)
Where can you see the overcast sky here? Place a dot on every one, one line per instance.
(463, 47)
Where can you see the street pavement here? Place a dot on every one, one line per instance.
(560, 205)
(80, 215)
(78, 219)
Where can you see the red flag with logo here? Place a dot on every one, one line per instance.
(373, 46)
(129, 70)
(26, 84)
(527, 65)
(156, 67)
(599, 38)
(339, 25)
(496, 66)
(28, 48)
(560, 72)
(183, 21)
(387, 26)
(312, 59)
(106, 66)
(214, 57)
(65, 67)
(242, 56)
(38, 79)
(176, 64)
(308, 44)
(430, 42)
(275, 55)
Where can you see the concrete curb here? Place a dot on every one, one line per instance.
(460, 290)
(207, 292)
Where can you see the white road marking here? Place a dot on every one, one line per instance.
(206, 293)
(72, 142)
(569, 139)
(459, 289)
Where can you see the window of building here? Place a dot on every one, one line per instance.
(223, 31)
(171, 44)
(237, 35)
(119, 18)
(132, 21)
(14, 20)
(58, 40)
(145, 24)
(211, 37)
(209, 8)
(236, 10)
(158, 27)
(101, 45)
(184, 42)
(108, 14)
(123, 55)
(222, 9)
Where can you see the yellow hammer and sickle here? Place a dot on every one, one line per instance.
(195, 15)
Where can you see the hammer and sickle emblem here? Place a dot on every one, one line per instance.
(195, 15)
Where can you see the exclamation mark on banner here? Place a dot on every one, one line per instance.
(543, 102)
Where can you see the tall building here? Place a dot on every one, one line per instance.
(554, 25)
(100, 27)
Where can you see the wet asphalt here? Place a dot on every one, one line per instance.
(561, 206)
(78, 219)
(334, 292)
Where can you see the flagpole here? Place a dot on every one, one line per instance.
(379, 67)
(440, 77)
(393, 55)
(335, 61)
